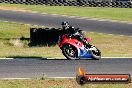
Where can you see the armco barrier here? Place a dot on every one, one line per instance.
(88, 3)
(44, 36)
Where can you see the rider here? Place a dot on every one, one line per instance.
(73, 32)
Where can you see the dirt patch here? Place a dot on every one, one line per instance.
(14, 9)
(16, 42)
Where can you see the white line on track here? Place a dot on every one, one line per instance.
(110, 34)
(35, 25)
(101, 20)
(77, 17)
(86, 18)
(92, 32)
(71, 17)
(32, 78)
(6, 58)
(43, 13)
(15, 78)
(65, 58)
(54, 14)
(28, 24)
(130, 23)
(101, 33)
(6, 21)
(121, 35)
(93, 19)
(64, 15)
(34, 12)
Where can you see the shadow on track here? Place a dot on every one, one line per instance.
(40, 58)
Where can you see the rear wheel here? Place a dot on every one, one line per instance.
(69, 51)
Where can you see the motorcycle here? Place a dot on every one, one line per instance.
(74, 49)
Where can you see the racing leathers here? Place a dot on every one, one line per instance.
(77, 34)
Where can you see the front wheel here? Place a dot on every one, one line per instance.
(96, 54)
(69, 51)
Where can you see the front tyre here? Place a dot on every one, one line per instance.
(96, 54)
(69, 51)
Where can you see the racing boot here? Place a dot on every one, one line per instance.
(87, 45)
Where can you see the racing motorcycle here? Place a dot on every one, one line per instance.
(74, 49)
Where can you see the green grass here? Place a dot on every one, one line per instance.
(12, 46)
(13, 30)
(55, 83)
(121, 14)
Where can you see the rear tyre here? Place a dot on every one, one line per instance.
(69, 51)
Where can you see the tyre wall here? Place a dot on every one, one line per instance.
(44, 36)
(87, 3)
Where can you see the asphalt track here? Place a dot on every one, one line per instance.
(32, 68)
(55, 21)
(35, 68)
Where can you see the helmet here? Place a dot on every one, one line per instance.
(65, 25)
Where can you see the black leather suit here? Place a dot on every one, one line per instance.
(76, 33)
